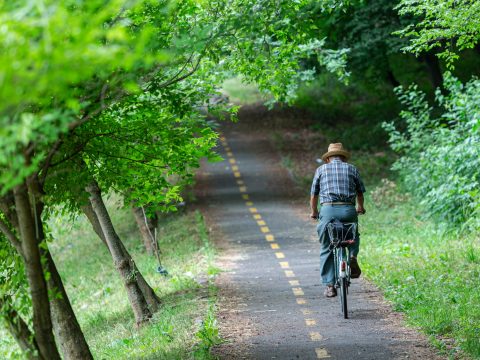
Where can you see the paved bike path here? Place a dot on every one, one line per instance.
(274, 306)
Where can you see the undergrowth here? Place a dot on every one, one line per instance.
(99, 299)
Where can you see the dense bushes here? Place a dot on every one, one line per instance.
(440, 162)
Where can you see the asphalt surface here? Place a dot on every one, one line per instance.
(274, 274)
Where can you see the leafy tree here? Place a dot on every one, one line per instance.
(441, 155)
(81, 59)
(265, 41)
(71, 66)
(366, 30)
(450, 26)
(142, 149)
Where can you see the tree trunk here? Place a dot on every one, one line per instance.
(152, 299)
(18, 328)
(92, 217)
(124, 264)
(67, 330)
(433, 66)
(145, 229)
(65, 324)
(392, 79)
(42, 322)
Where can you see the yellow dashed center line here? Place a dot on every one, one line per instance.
(321, 353)
(295, 284)
(269, 237)
(298, 291)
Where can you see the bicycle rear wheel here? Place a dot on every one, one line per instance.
(343, 296)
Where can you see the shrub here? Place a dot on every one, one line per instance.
(387, 194)
(440, 154)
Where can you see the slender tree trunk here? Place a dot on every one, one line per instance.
(65, 324)
(145, 229)
(152, 299)
(124, 265)
(42, 322)
(433, 66)
(68, 333)
(392, 79)
(18, 328)
(93, 219)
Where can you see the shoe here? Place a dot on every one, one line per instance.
(355, 270)
(330, 291)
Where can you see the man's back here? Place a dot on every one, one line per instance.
(337, 181)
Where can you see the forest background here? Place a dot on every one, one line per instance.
(106, 100)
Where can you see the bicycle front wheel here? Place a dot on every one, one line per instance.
(343, 296)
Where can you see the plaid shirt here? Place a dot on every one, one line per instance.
(337, 181)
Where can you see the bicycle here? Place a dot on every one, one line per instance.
(342, 235)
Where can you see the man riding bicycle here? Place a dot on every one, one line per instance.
(338, 185)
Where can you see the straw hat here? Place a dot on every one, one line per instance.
(335, 150)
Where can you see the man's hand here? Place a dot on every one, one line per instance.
(360, 200)
(361, 210)
(314, 214)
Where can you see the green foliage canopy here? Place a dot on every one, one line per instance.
(63, 63)
(447, 25)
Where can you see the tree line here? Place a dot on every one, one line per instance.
(105, 96)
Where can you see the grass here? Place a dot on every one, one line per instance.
(241, 93)
(101, 304)
(431, 275)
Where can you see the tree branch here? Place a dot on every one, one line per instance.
(143, 162)
(178, 79)
(5, 229)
